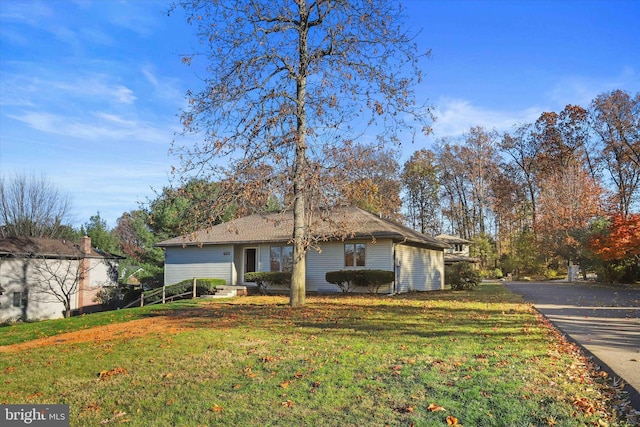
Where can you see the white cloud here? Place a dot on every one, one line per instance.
(164, 88)
(455, 116)
(94, 88)
(30, 13)
(39, 87)
(581, 90)
(148, 74)
(97, 126)
(139, 17)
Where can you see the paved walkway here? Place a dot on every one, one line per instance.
(603, 320)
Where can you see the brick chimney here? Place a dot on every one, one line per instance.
(85, 245)
(83, 285)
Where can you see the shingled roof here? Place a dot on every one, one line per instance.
(337, 224)
(452, 240)
(47, 248)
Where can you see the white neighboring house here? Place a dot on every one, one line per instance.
(32, 270)
(347, 238)
(458, 250)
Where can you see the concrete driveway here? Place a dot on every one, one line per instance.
(603, 320)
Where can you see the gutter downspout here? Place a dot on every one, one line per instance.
(396, 268)
(395, 272)
(84, 264)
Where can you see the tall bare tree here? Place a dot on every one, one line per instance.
(524, 151)
(466, 167)
(422, 189)
(57, 279)
(616, 122)
(563, 138)
(32, 206)
(284, 83)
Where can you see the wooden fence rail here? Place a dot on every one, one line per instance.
(162, 290)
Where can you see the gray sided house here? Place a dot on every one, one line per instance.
(346, 238)
(34, 270)
(458, 250)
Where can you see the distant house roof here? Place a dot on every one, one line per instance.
(48, 248)
(451, 259)
(336, 224)
(452, 240)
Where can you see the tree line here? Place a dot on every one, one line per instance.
(541, 195)
(562, 189)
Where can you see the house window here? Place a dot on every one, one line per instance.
(354, 254)
(17, 299)
(281, 258)
(458, 247)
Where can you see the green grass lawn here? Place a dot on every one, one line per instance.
(13, 333)
(478, 358)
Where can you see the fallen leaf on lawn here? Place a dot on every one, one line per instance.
(285, 384)
(167, 375)
(406, 409)
(216, 408)
(435, 408)
(287, 403)
(106, 374)
(116, 415)
(584, 404)
(92, 407)
(452, 421)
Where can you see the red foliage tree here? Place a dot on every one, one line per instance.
(620, 241)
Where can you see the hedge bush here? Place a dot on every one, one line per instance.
(348, 280)
(266, 279)
(344, 279)
(461, 276)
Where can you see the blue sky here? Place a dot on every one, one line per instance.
(90, 90)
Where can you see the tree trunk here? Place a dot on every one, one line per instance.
(298, 273)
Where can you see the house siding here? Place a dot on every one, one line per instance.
(16, 278)
(379, 256)
(194, 261)
(420, 269)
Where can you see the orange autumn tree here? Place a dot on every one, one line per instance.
(621, 240)
(569, 200)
